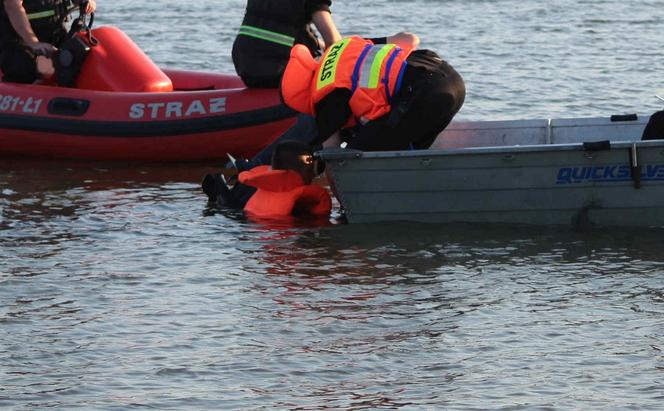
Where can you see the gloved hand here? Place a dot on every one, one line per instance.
(42, 49)
(90, 6)
(241, 164)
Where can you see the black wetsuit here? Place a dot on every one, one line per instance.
(431, 94)
(655, 128)
(47, 21)
(269, 30)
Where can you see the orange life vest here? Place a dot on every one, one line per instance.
(372, 72)
(283, 193)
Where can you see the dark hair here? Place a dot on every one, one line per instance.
(291, 155)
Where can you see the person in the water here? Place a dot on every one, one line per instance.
(282, 189)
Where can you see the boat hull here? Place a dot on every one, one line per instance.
(601, 184)
(205, 117)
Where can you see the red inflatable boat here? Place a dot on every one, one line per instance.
(123, 107)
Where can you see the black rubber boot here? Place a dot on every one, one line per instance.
(217, 191)
(214, 186)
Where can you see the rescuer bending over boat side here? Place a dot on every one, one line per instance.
(392, 98)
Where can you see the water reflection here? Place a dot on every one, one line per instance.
(44, 203)
(461, 303)
(126, 275)
(118, 289)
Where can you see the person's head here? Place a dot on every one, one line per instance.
(296, 156)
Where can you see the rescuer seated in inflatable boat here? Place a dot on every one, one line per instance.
(393, 97)
(268, 31)
(655, 128)
(284, 188)
(30, 32)
(262, 48)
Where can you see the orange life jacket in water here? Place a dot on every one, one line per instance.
(283, 193)
(372, 72)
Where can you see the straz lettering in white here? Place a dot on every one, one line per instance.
(17, 104)
(177, 109)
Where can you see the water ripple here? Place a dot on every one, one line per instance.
(120, 288)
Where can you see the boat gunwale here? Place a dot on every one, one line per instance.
(348, 154)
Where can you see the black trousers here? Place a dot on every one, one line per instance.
(18, 64)
(431, 94)
(655, 128)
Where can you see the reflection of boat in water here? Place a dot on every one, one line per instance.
(123, 107)
(25, 177)
(581, 171)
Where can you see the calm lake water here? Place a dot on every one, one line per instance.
(121, 289)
